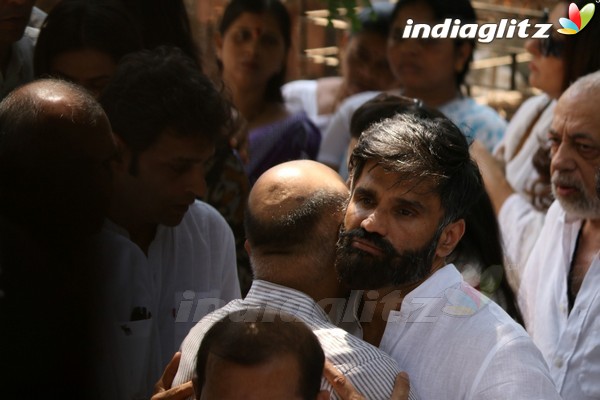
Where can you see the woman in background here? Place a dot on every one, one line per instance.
(252, 47)
(517, 176)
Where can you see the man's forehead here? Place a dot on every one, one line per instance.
(576, 113)
(375, 175)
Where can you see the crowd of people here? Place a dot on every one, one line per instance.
(377, 235)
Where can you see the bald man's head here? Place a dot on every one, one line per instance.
(294, 209)
(55, 143)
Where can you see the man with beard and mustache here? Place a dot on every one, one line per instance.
(559, 293)
(412, 183)
(294, 211)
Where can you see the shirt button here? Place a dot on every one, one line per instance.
(558, 363)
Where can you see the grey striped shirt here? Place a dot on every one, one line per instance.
(370, 370)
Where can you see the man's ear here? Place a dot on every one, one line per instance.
(124, 160)
(449, 238)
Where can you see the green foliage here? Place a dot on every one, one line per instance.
(334, 7)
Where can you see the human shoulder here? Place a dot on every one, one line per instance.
(204, 216)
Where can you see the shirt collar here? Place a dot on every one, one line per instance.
(284, 299)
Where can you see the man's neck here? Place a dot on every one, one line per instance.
(376, 306)
(587, 247)
(140, 232)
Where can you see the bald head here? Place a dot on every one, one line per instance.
(286, 187)
(294, 210)
(54, 141)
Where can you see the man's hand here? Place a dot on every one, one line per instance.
(162, 388)
(346, 391)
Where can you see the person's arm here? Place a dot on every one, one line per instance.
(163, 389)
(346, 391)
(493, 176)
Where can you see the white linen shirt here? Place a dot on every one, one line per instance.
(371, 371)
(570, 342)
(190, 270)
(455, 343)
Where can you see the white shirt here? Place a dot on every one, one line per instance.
(371, 371)
(190, 271)
(570, 342)
(476, 121)
(301, 95)
(455, 343)
(520, 172)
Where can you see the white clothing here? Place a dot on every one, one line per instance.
(519, 221)
(455, 343)
(190, 271)
(519, 169)
(476, 121)
(20, 65)
(301, 95)
(520, 225)
(371, 371)
(570, 342)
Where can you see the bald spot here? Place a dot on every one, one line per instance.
(285, 187)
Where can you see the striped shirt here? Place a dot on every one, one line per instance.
(370, 370)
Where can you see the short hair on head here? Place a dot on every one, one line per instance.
(386, 106)
(232, 12)
(287, 232)
(424, 149)
(39, 157)
(256, 336)
(153, 90)
(453, 9)
(102, 25)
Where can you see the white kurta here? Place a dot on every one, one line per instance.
(570, 342)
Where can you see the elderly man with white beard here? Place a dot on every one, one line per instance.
(560, 288)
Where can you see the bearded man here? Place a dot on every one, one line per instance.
(412, 183)
(560, 287)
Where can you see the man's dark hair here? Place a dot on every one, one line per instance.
(256, 336)
(385, 106)
(286, 232)
(454, 9)
(79, 24)
(426, 150)
(153, 90)
(232, 12)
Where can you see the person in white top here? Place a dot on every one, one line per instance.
(166, 116)
(294, 211)
(559, 292)
(412, 183)
(517, 175)
(432, 70)
(363, 67)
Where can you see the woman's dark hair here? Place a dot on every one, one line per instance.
(164, 23)
(442, 9)
(102, 25)
(274, 7)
